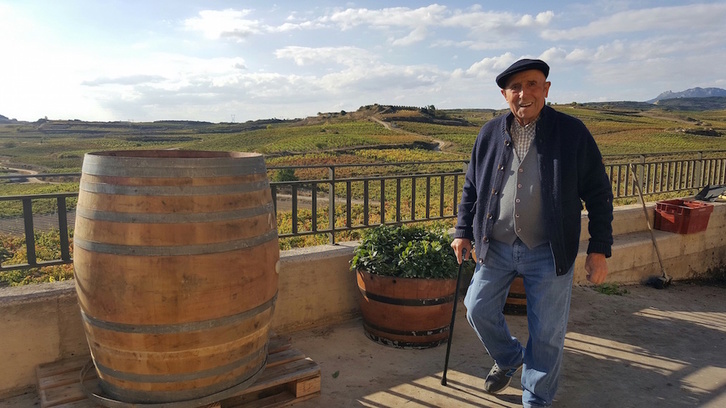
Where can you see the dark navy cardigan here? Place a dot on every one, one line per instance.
(571, 171)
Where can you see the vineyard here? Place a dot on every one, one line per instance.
(52, 146)
(378, 136)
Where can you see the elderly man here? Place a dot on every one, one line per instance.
(521, 205)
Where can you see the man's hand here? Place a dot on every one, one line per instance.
(460, 244)
(596, 268)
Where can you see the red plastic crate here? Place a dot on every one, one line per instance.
(682, 216)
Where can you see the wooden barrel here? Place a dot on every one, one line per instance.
(516, 303)
(406, 312)
(175, 256)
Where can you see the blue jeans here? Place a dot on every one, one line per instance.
(548, 308)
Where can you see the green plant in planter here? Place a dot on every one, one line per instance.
(407, 279)
(406, 252)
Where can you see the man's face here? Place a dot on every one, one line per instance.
(525, 93)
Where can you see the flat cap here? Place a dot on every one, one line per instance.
(522, 65)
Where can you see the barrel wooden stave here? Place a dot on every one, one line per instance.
(167, 366)
(155, 341)
(175, 256)
(195, 288)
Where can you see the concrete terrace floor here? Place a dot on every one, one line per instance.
(645, 348)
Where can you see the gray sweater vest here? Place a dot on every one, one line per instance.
(520, 203)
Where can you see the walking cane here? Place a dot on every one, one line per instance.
(453, 318)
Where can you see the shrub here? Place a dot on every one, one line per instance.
(406, 252)
(47, 248)
(284, 175)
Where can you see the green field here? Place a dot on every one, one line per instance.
(372, 135)
(375, 134)
(51, 146)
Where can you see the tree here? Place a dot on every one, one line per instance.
(285, 175)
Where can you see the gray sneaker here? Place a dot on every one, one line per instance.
(499, 379)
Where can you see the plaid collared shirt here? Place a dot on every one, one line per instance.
(522, 137)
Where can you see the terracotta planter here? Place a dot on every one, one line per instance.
(406, 312)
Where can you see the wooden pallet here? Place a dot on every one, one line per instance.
(289, 377)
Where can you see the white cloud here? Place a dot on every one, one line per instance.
(348, 56)
(501, 22)
(417, 35)
(690, 18)
(496, 27)
(489, 67)
(124, 80)
(274, 61)
(541, 19)
(388, 17)
(224, 24)
(288, 27)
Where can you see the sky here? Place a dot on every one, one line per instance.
(234, 61)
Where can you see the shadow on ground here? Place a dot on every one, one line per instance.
(646, 348)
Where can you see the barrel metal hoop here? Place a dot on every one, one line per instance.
(162, 167)
(188, 403)
(181, 377)
(176, 250)
(407, 302)
(178, 190)
(430, 332)
(173, 218)
(404, 344)
(178, 327)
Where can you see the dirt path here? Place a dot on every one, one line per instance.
(440, 143)
(42, 222)
(24, 172)
(654, 115)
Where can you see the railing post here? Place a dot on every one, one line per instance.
(273, 192)
(331, 203)
(348, 205)
(63, 229)
(456, 195)
(398, 200)
(365, 203)
(698, 172)
(641, 178)
(314, 206)
(293, 202)
(413, 198)
(29, 233)
(383, 200)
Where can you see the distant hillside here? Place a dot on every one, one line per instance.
(626, 105)
(675, 104)
(4, 119)
(690, 93)
(694, 104)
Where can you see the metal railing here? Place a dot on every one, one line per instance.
(355, 202)
(339, 199)
(662, 174)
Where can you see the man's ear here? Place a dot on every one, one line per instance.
(547, 88)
